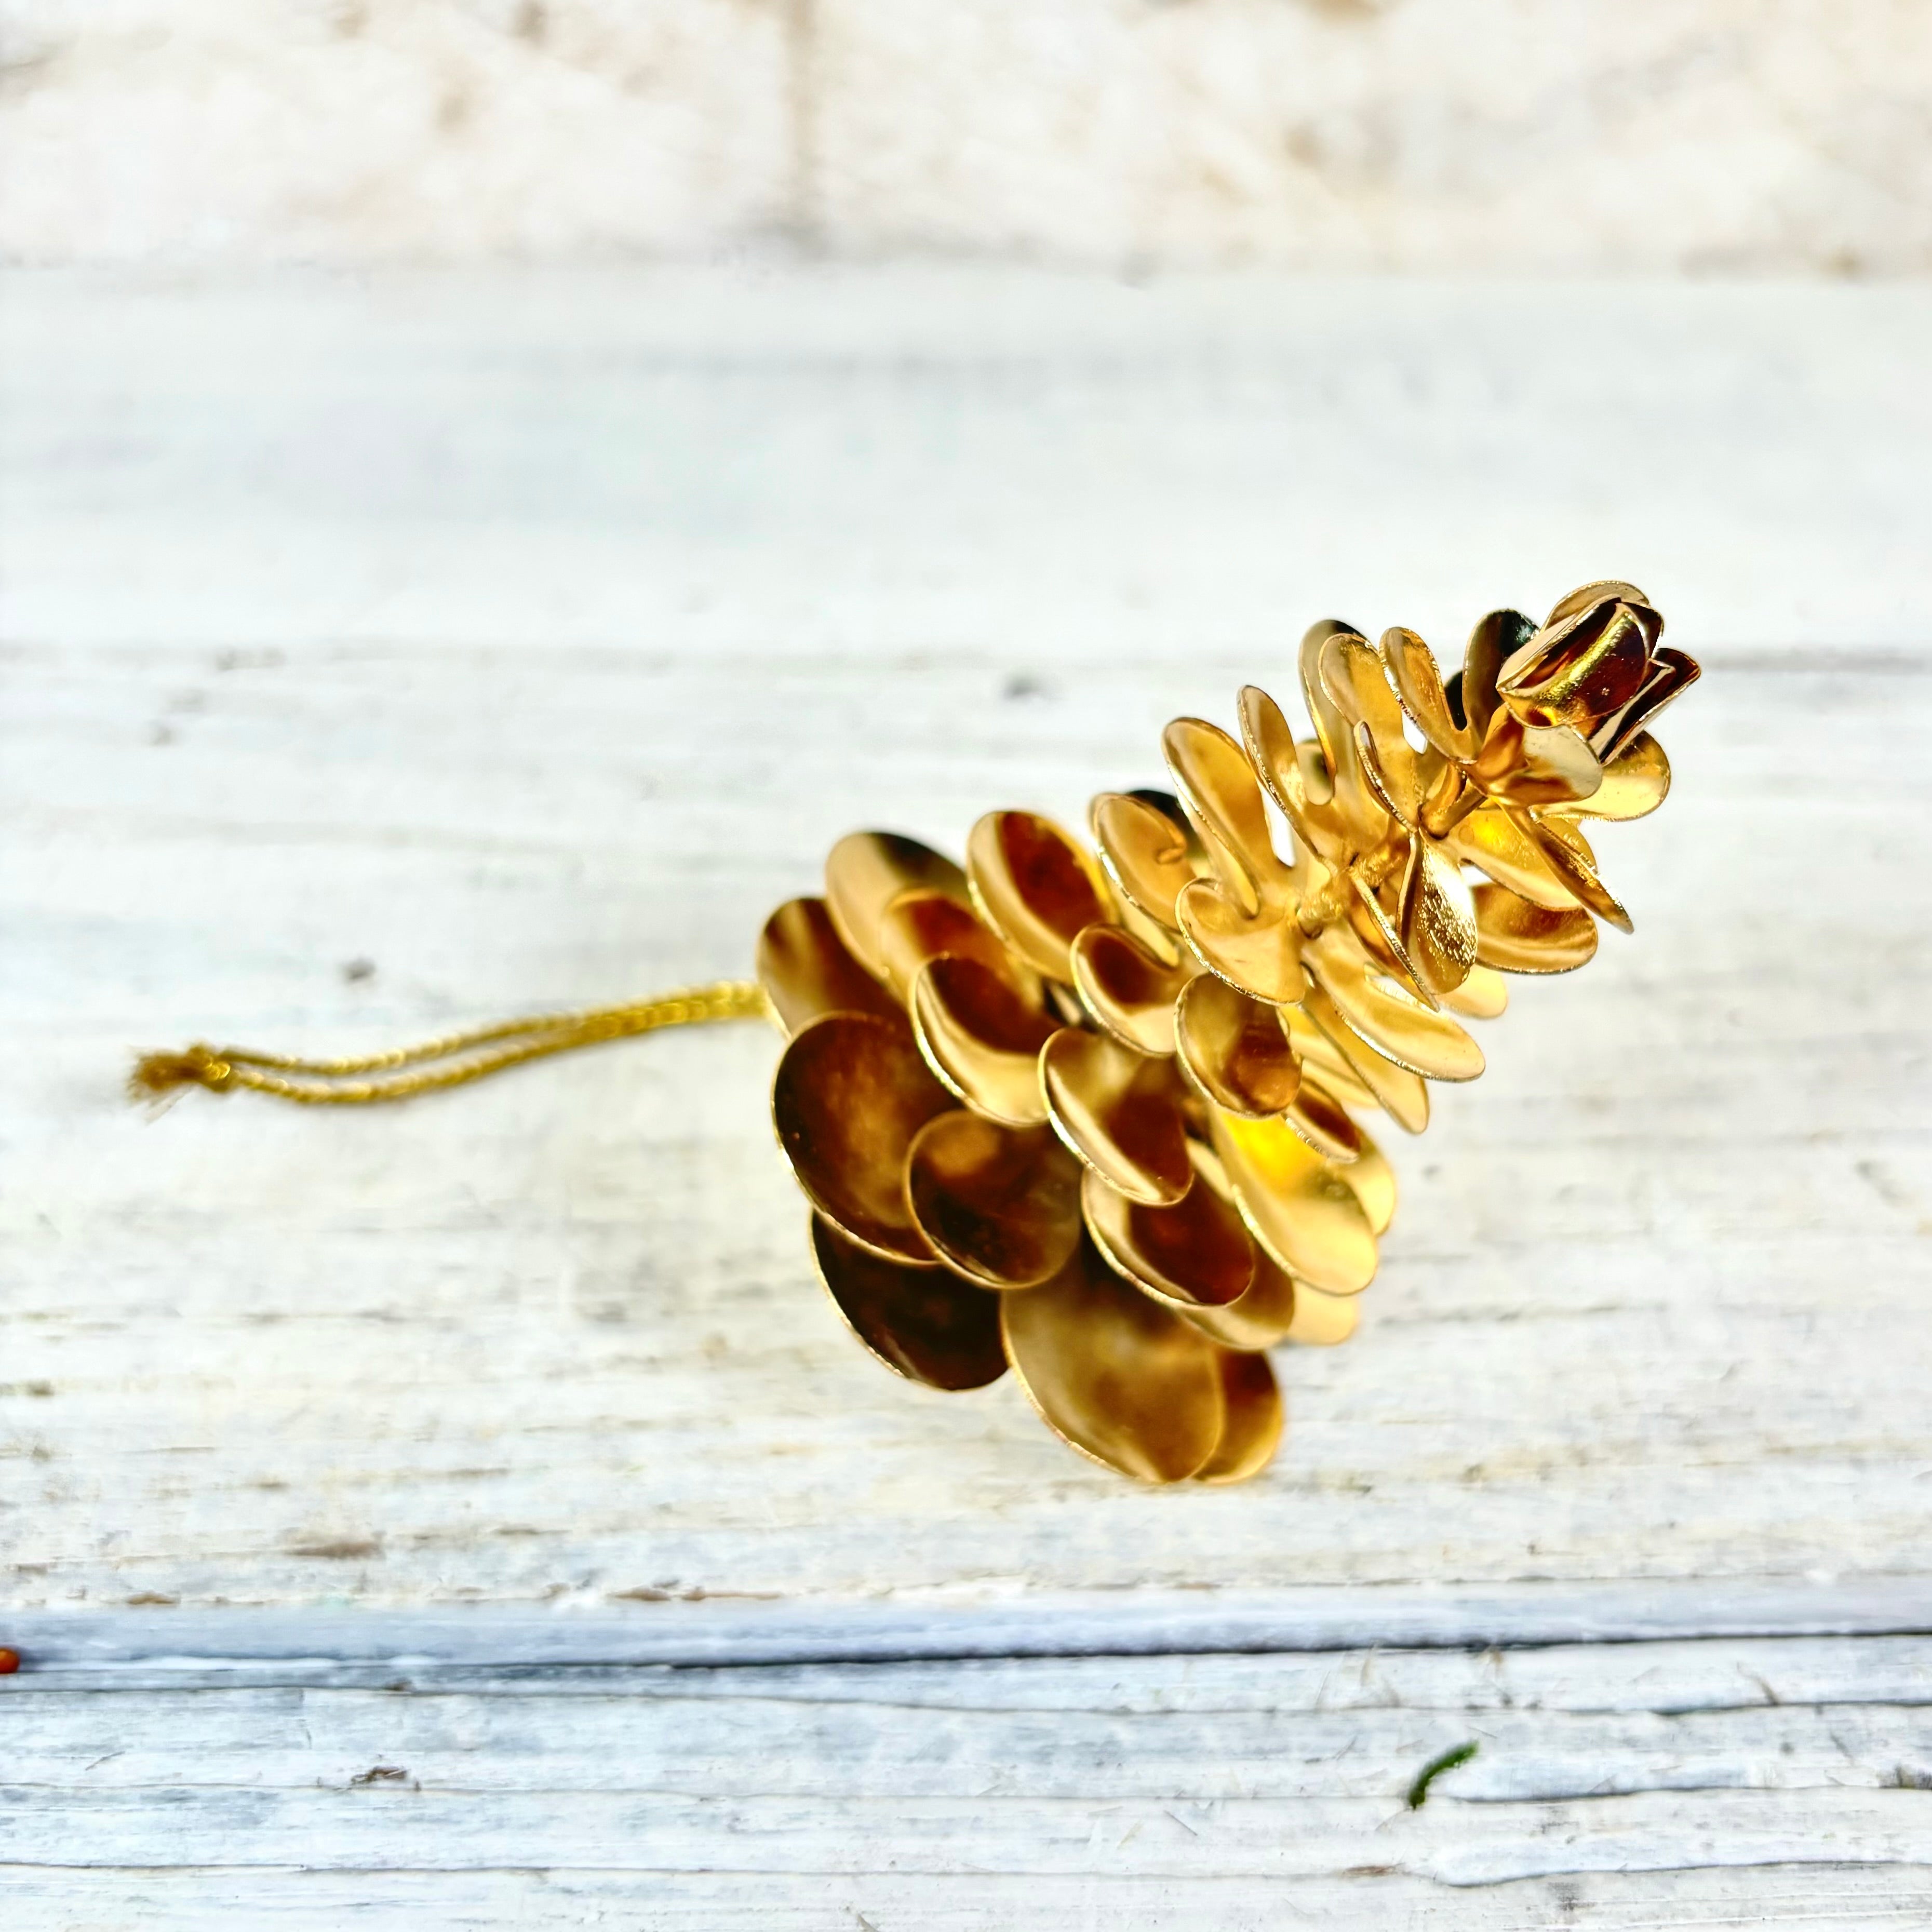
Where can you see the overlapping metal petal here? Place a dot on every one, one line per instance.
(1094, 1115)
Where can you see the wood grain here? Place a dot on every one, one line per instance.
(1039, 474)
(531, 1384)
(1699, 135)
(1002, 1791)
(1651, 1304)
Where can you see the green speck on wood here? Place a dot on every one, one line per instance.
(1418, 1792)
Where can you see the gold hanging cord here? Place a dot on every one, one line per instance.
(453, 1060)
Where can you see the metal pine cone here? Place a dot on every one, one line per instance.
(1098, 1122)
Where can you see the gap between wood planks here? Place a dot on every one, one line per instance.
(722, 1632)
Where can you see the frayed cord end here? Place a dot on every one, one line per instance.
(156, 1075)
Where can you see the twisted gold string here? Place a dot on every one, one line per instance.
(453, 1060)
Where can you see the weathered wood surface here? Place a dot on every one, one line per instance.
(1653, 1304)
(290, 1644)
(358, 682)
(1698, 134)
(1653, 1783)
(1031, 474)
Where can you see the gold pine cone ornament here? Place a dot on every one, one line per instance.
(1096, 1116)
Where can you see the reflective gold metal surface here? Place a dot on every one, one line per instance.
(851, 1093)
(982, 1038)
(1145, 852)
(921, 924)
(1371, 1180)
(1493, 842)
(1514, 936)
(1436, 920)
(1568, 853)
(999, 1205)
(806, 971)
(1399, 1091)
(1324, 1122)
(1121, 1112)
(925, 1322)
(1123, 1379)
(1483, 995)
(1394, 1022)
(1260, 1319)
(1258, 952)
(1196, 1254)
(1236, 1049)
(1635, 782)
(1324, 1060)
(1035, 887)
(1298, 1206)
(1126, 989)
(1204, 1018)
(1223, 798)
(1321, 1320)
(1253, 1418)
(866, 871)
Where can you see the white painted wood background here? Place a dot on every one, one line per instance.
(382, 654)
(1776, 135)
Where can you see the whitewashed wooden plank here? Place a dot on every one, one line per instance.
(1846, 1900)
(554, 1344)
(1273, 1783)
(740, 1743)
(1049, 467)
(65, 1645)
(1673, 134)
(394, 1826)
(1648, 1676)
(555, 1339)
(395, 129)
(1670, 133)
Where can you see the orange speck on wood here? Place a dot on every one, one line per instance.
(10, 1662)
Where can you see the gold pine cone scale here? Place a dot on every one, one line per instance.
(1095, 1116)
